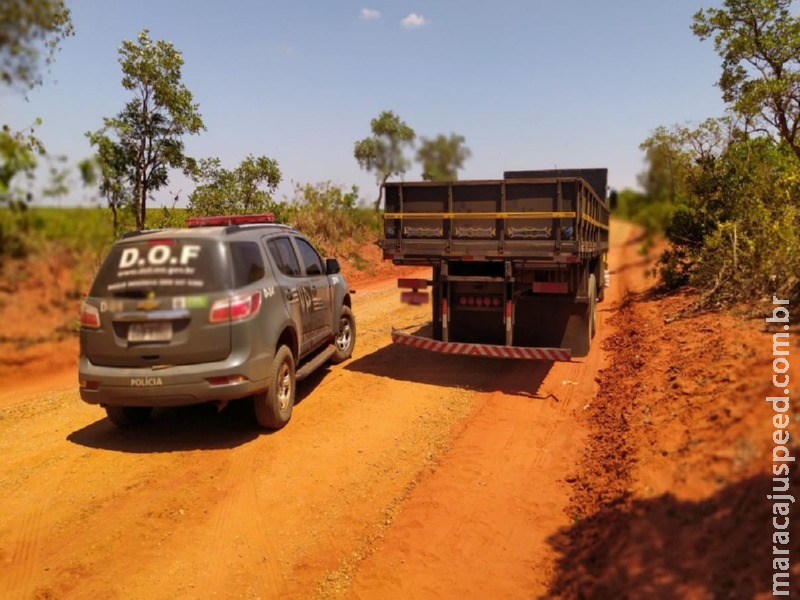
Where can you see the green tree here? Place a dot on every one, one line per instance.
(383, 151)
(28, 29)
(759, 43)
(151, 127)
(109, 170)
(30, 32)
(442, 157)
(247, 189)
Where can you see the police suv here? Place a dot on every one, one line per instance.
(227, 308)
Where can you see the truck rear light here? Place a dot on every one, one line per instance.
(90, 316)
(235, 308)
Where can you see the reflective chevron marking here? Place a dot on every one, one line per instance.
(487, 350)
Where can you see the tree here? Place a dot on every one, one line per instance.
(442, 157)
(759, 42)
(246, 189)
(28, 28)
(150, 128)
(382, 152)
(109, 170)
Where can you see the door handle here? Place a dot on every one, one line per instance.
(291, 294)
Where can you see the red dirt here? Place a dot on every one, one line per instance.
(639, 472)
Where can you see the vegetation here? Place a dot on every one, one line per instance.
(247, 189)
(29, 28)
(332, 217)
(30, 34)
(727, 192)
(147, 134)
(442, 157)
(382, 152)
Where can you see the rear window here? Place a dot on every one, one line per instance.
(164, 267)
(283, 254)
(248, 265)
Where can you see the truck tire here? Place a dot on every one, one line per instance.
(128, 416)
(345, 340)
(581, 323)
(273, 408)
(600, 279)
(436, 312)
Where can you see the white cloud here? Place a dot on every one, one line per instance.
(369, 14)
(413, 20)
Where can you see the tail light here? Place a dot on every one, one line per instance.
(235, 308)
(490, 301)
(90, 316)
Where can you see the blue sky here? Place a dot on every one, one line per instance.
(529, 83)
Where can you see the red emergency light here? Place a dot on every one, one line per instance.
(230, 220)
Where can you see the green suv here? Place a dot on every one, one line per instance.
(227, 308)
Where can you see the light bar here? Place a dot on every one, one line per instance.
(230, 220)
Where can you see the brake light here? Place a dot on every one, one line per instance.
(90, 316)
(490, 301)
(235, 308)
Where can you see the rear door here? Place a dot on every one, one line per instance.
(289, 276)
(155, 296)
(315, 293)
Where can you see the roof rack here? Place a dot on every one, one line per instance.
(230, 220)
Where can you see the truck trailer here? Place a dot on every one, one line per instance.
(517, 264)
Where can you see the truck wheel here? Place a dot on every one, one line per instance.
(600, 279)
(594, 298)
(128, 416)
(345, 340)
(581, 323)
(436, 312)
(273, 408)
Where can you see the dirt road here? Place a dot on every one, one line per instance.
(400, 475)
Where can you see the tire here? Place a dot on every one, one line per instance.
(593, 300)
(436, 311)
(581, 323)
(273, 408)
(600, 279)
(345, 340)
(128, 416)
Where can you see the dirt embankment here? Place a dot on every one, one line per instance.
(639, 472)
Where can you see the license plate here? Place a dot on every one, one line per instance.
(157, 331)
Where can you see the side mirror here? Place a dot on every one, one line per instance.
(332, 266)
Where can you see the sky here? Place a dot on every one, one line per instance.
(530, 84)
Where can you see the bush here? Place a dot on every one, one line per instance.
(333, 218)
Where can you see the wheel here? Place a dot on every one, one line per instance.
(581, 323)
(600, 279)
(128, 416)
(436, 301)
(273, 408)
(593, 300)
(345, 340)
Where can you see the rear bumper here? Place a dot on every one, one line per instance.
(485, 350)
(171, 386)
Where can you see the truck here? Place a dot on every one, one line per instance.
(518, 264)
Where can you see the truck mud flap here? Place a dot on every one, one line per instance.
(487, 350)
